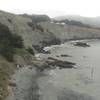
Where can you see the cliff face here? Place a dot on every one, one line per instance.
(35, 33)
(65, 32)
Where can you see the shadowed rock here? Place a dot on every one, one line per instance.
(12, 84)
(81, 44)
(62, 64)
(64, 55)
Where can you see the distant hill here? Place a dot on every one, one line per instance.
(37, 18)
(93, 21)
(73, 22)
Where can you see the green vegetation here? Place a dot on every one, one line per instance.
(6, 69)
(37, 18)
(8, 42)
(39, 27)
(21, 52)
(10, 46)
(35, 26)
(30, 50)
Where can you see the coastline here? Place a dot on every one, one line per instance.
(27, 86)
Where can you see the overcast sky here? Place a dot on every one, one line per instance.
(88, 8)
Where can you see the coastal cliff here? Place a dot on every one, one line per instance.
(37, 32)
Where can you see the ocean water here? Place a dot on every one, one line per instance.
(79, 83)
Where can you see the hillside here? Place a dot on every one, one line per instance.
(73, 22)
(67, 32)
(35, 31)
(37, 18)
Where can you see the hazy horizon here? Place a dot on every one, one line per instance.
(53, 8)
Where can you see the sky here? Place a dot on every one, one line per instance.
(53, 8)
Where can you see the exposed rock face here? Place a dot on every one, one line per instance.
(67, 32)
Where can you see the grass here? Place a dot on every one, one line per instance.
(6, 69)
(21, 52)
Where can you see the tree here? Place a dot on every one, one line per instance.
(7, 52)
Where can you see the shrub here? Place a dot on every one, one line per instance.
(30, 50)
(32, 25)
(7, 52)
(39, 27)
(17, 41)
(8, 42)
(9, 20)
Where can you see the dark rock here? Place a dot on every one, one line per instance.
(81, 44)
(63, 55)
(39, 49)
(57, 56)
(12, 84)
(9, 20)
(32, 25)
(62, 64)
(49, 42)
(39, 27)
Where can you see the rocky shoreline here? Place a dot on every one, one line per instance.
(24, 81)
